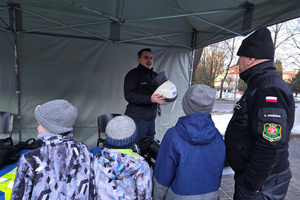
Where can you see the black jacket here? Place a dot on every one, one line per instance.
(258, 134)
(137, 92)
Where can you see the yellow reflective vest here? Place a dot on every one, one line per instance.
(7, 183)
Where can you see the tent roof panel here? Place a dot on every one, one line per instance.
(157, 22)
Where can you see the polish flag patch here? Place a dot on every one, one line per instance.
(271, 99)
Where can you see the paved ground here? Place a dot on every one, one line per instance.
(227, 185)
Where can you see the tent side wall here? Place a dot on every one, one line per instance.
(8, 97)
(88, 73)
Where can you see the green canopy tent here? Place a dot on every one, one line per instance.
(81, 50)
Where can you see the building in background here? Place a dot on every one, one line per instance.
(289, 74)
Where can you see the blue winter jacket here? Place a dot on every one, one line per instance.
(190, 160)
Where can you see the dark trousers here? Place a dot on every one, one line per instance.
(144, 129)
(275, 187)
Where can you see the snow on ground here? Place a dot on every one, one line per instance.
(222, 120)
(296, 128)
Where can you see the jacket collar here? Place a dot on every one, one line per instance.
(54, 139)
(144, 69)
(253, 73)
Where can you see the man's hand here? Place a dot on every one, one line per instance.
(158, 98)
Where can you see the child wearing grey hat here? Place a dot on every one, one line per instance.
(60, 168)
(119, 172)
(190, 160)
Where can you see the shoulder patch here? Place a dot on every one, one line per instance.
(271, 99)
(272, 132)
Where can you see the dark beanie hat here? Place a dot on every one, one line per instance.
(258, 45)
(57, 116)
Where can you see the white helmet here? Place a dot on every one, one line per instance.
(161, 85)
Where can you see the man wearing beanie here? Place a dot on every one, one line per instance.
(60, 168)
(258, 133)
(190, 160)
(119, 173)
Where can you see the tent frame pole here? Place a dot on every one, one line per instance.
(18, 91)
(194, 35)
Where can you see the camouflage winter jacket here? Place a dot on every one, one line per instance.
(60, 169)
(121, 175)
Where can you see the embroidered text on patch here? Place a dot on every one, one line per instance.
(273, 115)
(271, 99)
(272, 132)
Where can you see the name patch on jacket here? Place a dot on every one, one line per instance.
(272, 132)
(272, 115)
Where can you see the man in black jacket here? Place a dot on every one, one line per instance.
(257, 136)
(142, 104)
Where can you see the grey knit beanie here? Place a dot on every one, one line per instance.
(198, 98)
(57, 116)
(120, 132)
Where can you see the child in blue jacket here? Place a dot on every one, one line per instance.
(191, 156)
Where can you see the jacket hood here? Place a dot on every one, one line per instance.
(119, 166)
(197, 128)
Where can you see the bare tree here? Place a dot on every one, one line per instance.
(230, 55)
(229, 80)
(296, 42)
(210, 65)
(197, 57)
(286, 38)
(217, 59)
(296, 56)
